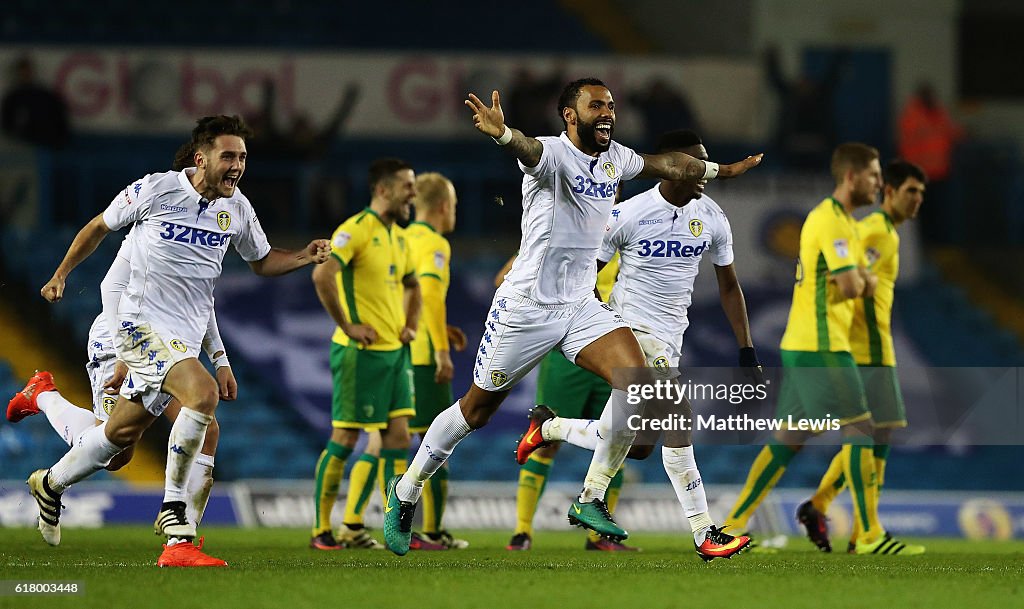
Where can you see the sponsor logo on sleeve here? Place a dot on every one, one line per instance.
(341, 240)
(842, 247)
(439, 260)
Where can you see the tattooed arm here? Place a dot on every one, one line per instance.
(679, 166)
(491, 121)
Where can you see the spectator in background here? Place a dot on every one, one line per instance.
(927, 138)
(530, 100)
(31, 112)
(805, 133)
(664, 109)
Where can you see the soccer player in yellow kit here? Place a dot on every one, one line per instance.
(871, 339)
(435, 204)
(821, 381)
(370, 290)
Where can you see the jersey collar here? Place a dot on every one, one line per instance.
(664, 204)
(186, 184)
(579, 153)
(422, 223)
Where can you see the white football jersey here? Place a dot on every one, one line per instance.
(566, 201)
(660, 248)
(178, 250)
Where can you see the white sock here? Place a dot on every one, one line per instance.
(443, 435)
(614, 437)
(90, 453)
(67, 419)
(186, 437)
(200, 483)
(578, 432)
(681, 467)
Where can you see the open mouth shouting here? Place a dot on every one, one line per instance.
(603, 131)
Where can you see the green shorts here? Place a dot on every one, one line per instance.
(885, 400)
(819, 385)
(569, 390)
(431, 398)
(370, 387)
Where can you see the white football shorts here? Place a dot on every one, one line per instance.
(149, 354)
(518, 333)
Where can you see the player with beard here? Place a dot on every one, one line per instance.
(547, 300)
(821, 379)
(184, 221)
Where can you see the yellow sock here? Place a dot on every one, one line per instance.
(766, 470)
(360, 487)
(533, 475)
(611, 498)
(859, 469)
(330, 468)
(393, 461)
(435, 496)
(831, 484)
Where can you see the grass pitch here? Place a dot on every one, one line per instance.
(274, 568)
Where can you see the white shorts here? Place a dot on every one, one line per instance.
(102, 361)
(519, 332)
(149, 354)
(661, 356)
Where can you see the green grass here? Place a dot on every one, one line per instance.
(273, 568)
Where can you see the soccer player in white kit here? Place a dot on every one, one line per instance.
(185, 221)
(547, 299)
(661, 236)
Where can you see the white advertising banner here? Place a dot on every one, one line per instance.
(401, 95)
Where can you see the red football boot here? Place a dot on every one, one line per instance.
(533, 438)
(721, 545)
(185, 554)
(23, 404)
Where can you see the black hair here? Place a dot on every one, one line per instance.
(571, 94)
(677, 140)
(184, 157)
(384, 169)
(898, 171)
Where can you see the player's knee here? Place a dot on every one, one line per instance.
(640, 452)
(478, 409)
(125, 435)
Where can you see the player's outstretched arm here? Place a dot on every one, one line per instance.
(84, 244)
(280, 262)
(491, 121)
(681, 166)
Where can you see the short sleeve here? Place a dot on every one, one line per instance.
(721, 244)
(614, 236)
(630, 163)
(837, 242)
(347, 240)
(251, 242)
(129, 206)
(434, 261)
(548, 158)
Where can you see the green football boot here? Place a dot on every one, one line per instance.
(397, 520)
(594, 515)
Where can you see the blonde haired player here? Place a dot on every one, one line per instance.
(435, 205)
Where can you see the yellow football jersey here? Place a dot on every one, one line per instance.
(871, 333)
(374, 259)
(431, 256)
(820, 317)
